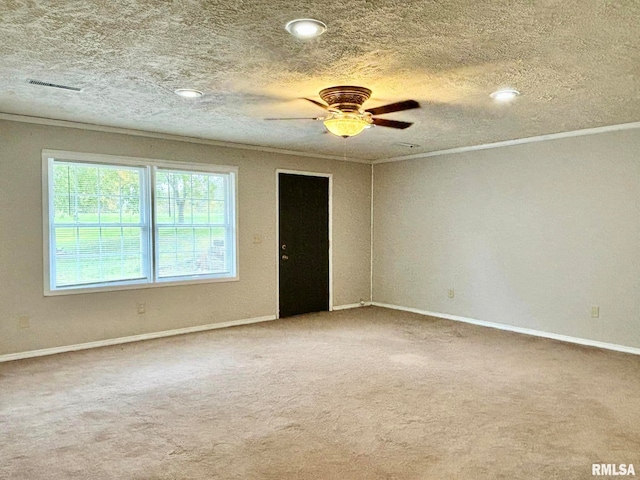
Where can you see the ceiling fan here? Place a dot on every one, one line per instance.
(347, 118)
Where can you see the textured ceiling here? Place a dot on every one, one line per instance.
(577, 64)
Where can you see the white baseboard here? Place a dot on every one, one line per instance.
(351, 305)
(200, 328)
(134, 338)
(510, 328)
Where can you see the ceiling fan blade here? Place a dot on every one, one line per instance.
(321, 105)
(393, 107)
(381, 122)
(296, 118)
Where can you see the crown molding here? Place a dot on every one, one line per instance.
(12, 117)
(519, 141)
(241, 146)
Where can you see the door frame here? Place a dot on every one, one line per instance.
(306, 174)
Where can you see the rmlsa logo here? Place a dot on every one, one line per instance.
(610, 469)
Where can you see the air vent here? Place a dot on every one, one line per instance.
(407, 145)
(53, 85)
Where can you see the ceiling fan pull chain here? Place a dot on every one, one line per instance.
(344, 148)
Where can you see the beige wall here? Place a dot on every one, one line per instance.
(530, 235)
(72, 319)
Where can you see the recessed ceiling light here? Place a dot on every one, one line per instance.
(505, 94)
(188, 93)
(305, 28)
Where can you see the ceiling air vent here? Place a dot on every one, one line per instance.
(407, 145)
(53, 85)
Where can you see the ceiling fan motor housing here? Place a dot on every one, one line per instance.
(345, 98)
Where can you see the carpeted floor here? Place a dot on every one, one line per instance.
(359, 394)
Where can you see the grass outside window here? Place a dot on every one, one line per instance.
(116, 222)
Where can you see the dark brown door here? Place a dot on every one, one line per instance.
(304, 244)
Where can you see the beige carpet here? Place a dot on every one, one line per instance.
(360, 394)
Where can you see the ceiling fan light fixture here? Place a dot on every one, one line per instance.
(188, 93)
(346, 125)
(505, 94)
(305, 28)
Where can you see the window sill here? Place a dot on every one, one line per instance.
(138, 286)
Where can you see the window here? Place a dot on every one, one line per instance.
(115, 223)
(193, 228)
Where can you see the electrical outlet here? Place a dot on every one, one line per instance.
(23, 321)
(451, 293)
(142, 308)
(595, 312)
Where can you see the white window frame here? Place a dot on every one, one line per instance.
(48, 156)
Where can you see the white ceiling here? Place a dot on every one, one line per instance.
(576, 62)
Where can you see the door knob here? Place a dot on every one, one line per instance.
(285, 257)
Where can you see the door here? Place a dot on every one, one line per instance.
(303, 244)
